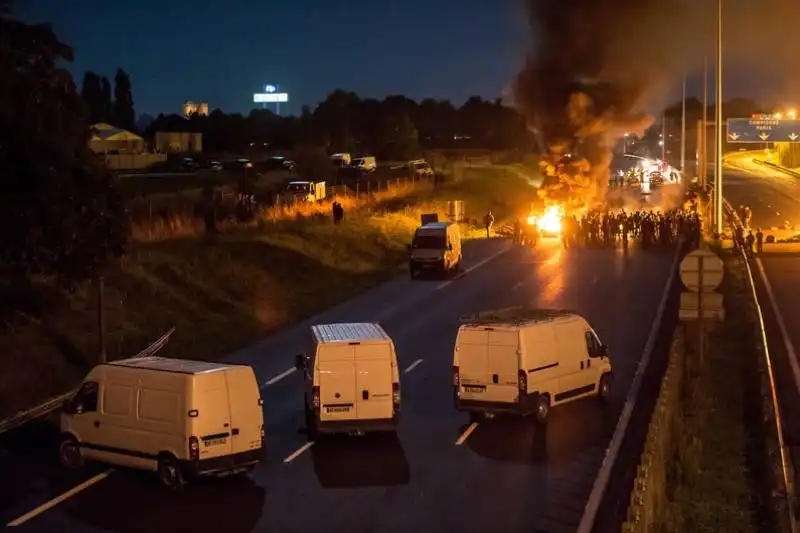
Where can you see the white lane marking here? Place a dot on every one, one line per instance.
(787, 341)
(467, 432)
(59, 499)
(518, 286)
(412, 366)
(298, 452)
(473, 267)
(604, 475)
(280, 376)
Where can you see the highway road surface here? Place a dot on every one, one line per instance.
(441, 473)
(774, 198)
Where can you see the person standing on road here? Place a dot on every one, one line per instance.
(751, 243)
(760, 241)
(488, 221)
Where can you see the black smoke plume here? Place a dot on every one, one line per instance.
(598, 66)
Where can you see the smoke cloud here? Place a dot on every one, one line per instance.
(597, 67)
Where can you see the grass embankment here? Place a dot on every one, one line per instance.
(714, 479)
(222, 295)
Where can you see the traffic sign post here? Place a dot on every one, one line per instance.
(763, 129)
(701, 272)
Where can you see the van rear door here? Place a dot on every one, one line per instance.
(336, 369)
(503, 379)
(212, 425)
(247, 417)
(374, 381)
(472, 346)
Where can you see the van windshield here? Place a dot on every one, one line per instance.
(429, 242)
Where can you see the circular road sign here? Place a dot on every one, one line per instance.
(709, 264)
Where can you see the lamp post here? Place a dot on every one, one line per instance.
(704, 139)
(720, 136)
(683, 127)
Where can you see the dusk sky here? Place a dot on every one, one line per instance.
(222, 52)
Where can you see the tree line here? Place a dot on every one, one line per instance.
(396, 127)
(62, 219)
(100, 107)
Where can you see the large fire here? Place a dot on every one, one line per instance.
(550, 221)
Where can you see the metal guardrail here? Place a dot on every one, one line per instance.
(788, 481)
(55, 402)
(785, 170)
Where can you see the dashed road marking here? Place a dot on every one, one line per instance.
(473, 267)
(298, 452)
(275, 379)
(412, 366)
(59, 499)
(467, 432)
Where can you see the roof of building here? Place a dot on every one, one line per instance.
(182, 366)
(352, 332)
(106, 132)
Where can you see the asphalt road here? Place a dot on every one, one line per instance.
(774, 196)
(438, 475)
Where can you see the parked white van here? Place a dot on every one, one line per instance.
(523, 360)
(180, 418)
(436, 246)
(365, 164)
(352, 380)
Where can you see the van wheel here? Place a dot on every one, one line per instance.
(169, 473)
(542, 408)
(69, 454)
(413, 272)
(604, 389)
(311, 423)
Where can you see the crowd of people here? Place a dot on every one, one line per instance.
(611, 228)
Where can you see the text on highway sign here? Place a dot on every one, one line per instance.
(762, 130)
(712, 273)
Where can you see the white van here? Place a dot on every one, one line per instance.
(365, 164)
(179, 418)
(436, 246)
(352, 380)
(524, 361)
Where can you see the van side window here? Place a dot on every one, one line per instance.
(87, 397)
(592, 345)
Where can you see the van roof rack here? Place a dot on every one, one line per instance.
(518, 315)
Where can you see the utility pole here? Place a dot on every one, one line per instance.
(101, 334)
(683, 127)
(704, 140)
(720, 136)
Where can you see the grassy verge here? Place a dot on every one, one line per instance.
(224, 294)
(715, 475)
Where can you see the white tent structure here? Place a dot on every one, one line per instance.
(108, 139)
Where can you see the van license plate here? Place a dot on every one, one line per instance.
(468, 388)
(338, 409)
(214, 442)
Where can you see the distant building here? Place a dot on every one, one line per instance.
(194, 108)
(108, 139)
(178, 142)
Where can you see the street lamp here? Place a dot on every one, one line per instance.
(720, 137)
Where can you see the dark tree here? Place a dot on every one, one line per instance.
(124, 115)
(92, 95)
(400, 137)
(105, 98)
(61, 218)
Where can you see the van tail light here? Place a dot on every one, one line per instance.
(315, 397)
(396, 397)
(456, 377)
(522, 381)
(194, 448)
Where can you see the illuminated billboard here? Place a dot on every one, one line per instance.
(270, 96)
